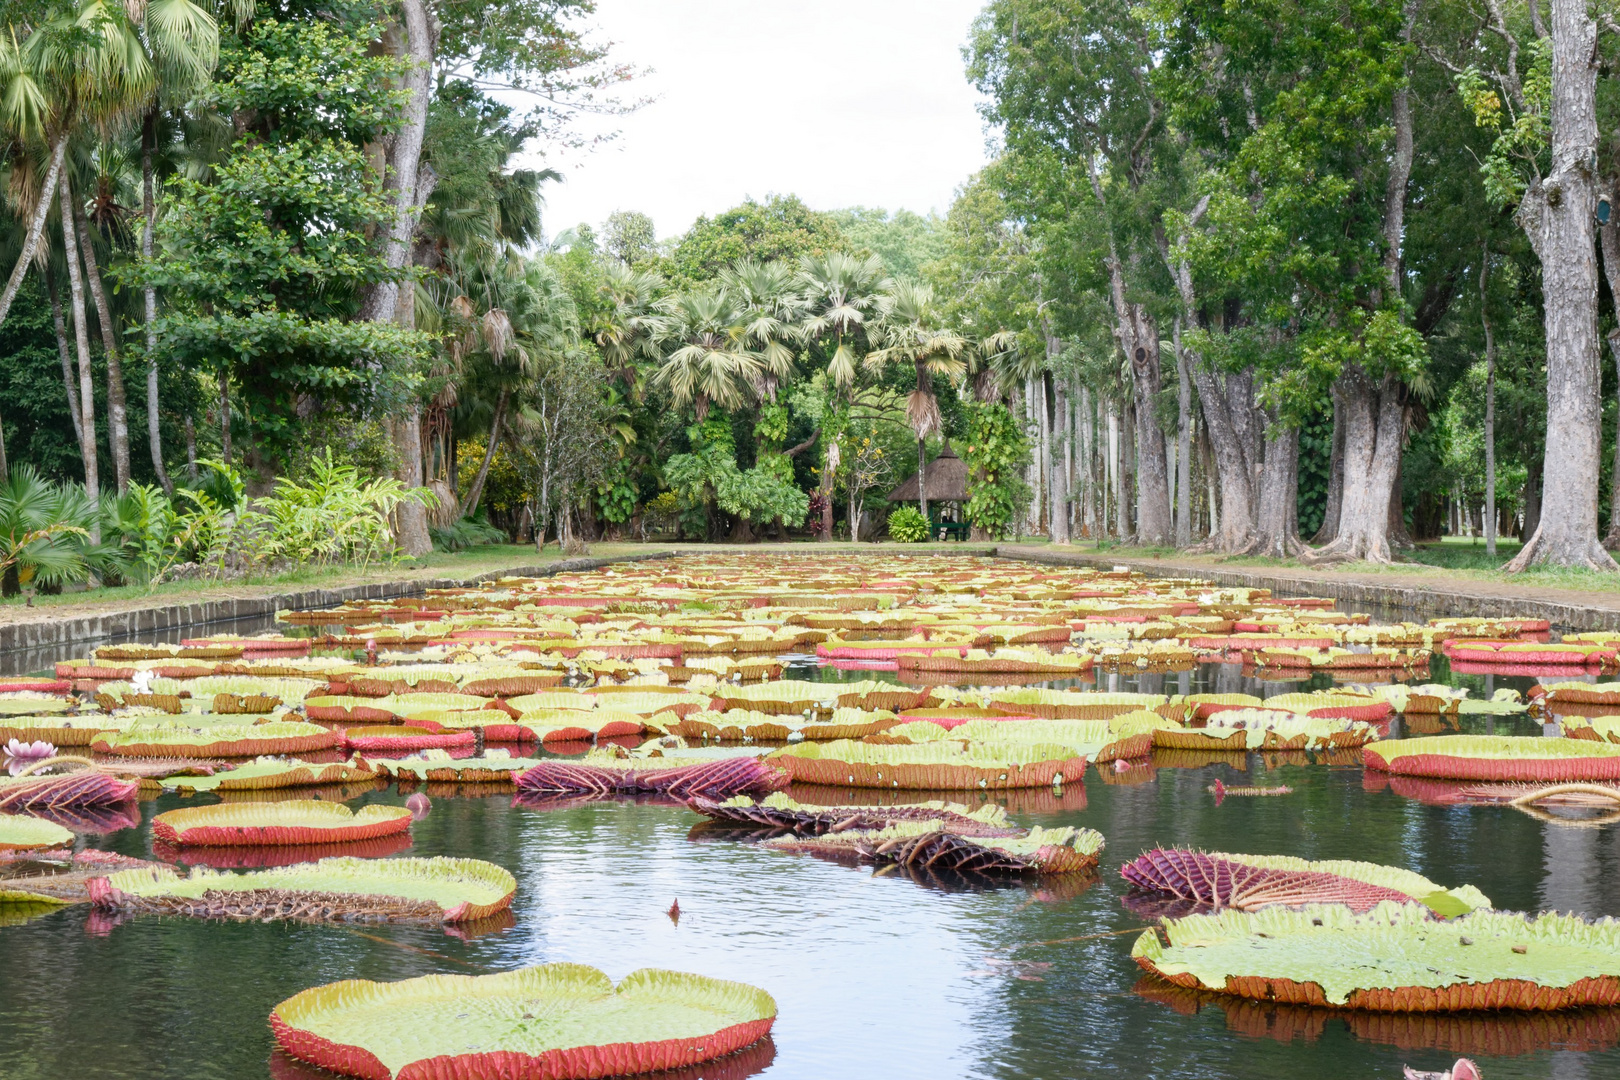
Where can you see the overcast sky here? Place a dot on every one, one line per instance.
(842, 102)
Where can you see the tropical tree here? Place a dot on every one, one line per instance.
(709, 357)
(910, 333)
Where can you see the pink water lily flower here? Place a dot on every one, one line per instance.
(20, 755)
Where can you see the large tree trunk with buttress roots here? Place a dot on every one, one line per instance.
(1373, 417)
(1556, 214)
(1228, 406)
(1277, 525)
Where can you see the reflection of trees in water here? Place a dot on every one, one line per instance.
(1502, 1034)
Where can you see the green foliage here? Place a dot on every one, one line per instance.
(336, 515)
(781, 227)
(997, 453)
(504, 490)
(908, 526)
(1523, 141)
(465, 533)
(44, 531)
(905, 241)
(709, 475)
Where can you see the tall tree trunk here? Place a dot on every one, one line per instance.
(1374, 421)
(476, 492)
(1153, 520)
(1228, 416)
(81, 343)
(117, 407)
(36, 226)
(154, 434)
(411, 184)
(63, 353)
(191, 449)
(1610, 236)
(1276, 526)
(1057, 515)
(225, 414)
(1556, 214)
(1116, 455)
(1183, 443)
(1532, 499)
(922, 477)
(1490, 405)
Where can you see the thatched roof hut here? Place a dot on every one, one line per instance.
(947, 480)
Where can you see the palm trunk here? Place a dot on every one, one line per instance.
(191, 449)
(1556, 214)
(36, 226)
(922, 477)
(63, 352)
(225, 414)
(154, 435)
(476, 492)
(81, 342)
(1490, 410)
(117, 407)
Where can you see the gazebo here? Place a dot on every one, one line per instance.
(946, 480)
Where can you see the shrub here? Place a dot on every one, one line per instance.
(466, 533)
(908, 526)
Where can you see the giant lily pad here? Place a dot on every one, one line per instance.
(556, 1021)
(18, 833)
(216, 740)
(1496, 757)
(272, 773)
(303, 822)
(350, 889)
(943, 766)
(1393, 958)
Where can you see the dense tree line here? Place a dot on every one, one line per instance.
(1297, 278)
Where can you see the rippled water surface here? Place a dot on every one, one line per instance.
(876, 975)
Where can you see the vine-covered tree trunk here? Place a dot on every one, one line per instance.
(1335, 488)
(1153, 521)
(1183, 443)
(1609, 234)
(1556, 214)
(81, 344)
(1276, 525)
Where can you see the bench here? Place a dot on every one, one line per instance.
(949, 530)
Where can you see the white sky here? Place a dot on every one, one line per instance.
(841, 102)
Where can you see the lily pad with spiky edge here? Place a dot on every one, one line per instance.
(556, 1021)
(345, 889)
(1250, 882)
(18, 833)
(601, 774)
(942, 766)
(216, 740)
(780, 812)
(273, 773)
(1496, 757)
(1393, 958)
(302, 822)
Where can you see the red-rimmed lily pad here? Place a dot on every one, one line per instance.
(553, 1022)
(299, 822)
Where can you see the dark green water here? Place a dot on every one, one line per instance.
(875, 975)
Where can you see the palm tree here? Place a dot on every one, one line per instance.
(638, 321)
(181, 41)
(772, 309)
(909, 332)
(840, 295)
(710, 359)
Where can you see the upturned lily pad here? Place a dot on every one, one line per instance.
(1250, 882)
(302, 822)
(349, 889)
(1393, 958)
(274, 773)
(557, 1021)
